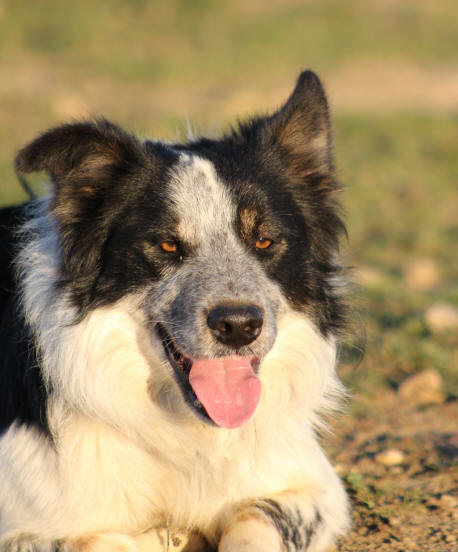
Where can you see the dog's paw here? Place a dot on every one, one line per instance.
(250, 532)
(26, 545)
(156, 540)
(103, 542)
(151, 541)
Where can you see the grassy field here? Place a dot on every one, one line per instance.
(391, 70)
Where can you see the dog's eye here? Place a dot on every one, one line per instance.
(263, 243)
(169, 246)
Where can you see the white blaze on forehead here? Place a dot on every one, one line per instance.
(202, 202)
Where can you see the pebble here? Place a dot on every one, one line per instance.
(422, 274)
(442, 317)
(391, 457)
(423, 388)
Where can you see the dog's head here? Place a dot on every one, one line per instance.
(218, 237)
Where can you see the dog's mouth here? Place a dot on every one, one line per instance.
(223, 390)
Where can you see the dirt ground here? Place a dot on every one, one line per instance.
(399, 465)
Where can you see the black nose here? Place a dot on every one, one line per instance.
(235, 325)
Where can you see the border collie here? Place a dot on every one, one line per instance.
(170, 317)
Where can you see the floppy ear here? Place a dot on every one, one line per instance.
(93, 166)
(82, 157)
(301, 128)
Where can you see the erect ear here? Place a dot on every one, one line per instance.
(93, 166)
(298, 139)
(301, 128)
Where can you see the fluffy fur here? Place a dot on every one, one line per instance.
(104, 445)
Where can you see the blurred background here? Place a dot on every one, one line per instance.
(391, 71)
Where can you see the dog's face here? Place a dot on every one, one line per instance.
(216, 236)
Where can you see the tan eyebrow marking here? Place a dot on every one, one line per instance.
(248, 218)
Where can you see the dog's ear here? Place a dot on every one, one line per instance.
(301, 128)
(95, 167)
(296, 141)
(82, 158)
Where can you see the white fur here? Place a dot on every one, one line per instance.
(128, 455)
(203, 204)
(252, 530)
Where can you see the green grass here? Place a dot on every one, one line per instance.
(178, 39)
(401, 172)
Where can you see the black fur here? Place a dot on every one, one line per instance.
(22, 395)
(295, 533)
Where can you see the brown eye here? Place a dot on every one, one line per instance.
(263, 243)
(169, 246)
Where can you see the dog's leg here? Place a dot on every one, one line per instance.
(26, 545)
(155, 540)
(104, 542)
(117, 542)
(289, 522)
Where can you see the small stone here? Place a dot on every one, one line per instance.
(442, 318)
(391, 457)
(422, 274)
(422, 389)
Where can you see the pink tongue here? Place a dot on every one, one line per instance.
(227, 388)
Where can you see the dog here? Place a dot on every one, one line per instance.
(170, 320)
